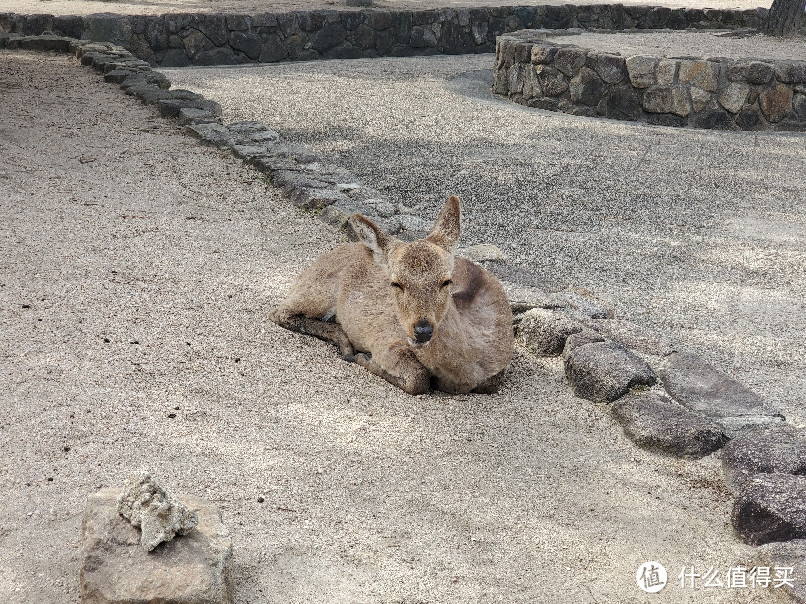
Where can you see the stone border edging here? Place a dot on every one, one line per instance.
(178, 40)
(670, 402)
(714, 93)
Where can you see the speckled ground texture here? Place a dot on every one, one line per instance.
(698, 234)
(138, 268)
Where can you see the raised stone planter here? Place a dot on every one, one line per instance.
(719, 93)
(177, 40)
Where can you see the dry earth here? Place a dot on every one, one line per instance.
(136, 272)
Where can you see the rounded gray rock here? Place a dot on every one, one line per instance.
(544, 332)
(604, 371)
(764, 451)
(771, 507)
(657, 423)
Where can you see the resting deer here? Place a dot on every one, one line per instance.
(411, 313)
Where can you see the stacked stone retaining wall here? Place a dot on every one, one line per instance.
(176, 40)
(720, 93)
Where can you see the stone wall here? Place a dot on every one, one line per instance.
(720, 93)
(219, 39)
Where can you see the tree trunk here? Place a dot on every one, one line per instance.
(786, 18)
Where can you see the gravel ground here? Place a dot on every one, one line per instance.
(698, 234)
(671, 43)
(137, 269)
(158, 7)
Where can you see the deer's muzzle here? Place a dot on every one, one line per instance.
(423, 330)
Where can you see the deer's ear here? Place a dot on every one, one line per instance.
(446, 230)
(371, 235)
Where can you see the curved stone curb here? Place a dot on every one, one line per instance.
(178, 40)
(602, 363)
(715, 93)
(694, 411)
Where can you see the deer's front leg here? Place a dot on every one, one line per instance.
(406, 372)
(329, 332)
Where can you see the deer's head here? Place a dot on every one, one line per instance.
(419, 272)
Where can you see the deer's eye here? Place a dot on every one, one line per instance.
(397, 285)
(446, 283)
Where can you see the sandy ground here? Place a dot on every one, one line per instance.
(137, 269)
(690, 43)
(698, 234)
(158, 7)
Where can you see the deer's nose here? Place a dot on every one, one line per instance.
(423, 330)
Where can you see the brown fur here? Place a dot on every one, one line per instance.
(382, 290)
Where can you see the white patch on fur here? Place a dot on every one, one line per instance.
(329, 314)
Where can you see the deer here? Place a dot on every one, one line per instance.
(409, 312)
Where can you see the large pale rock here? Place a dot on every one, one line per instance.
(159, 515)
(667, 99)
(116, 570)
(703, 74)
(641, 70)
(771, 507)
(604, 371)
(733, 96)
(764, 451)
(698, 386)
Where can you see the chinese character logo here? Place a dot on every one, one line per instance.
(651, 577)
